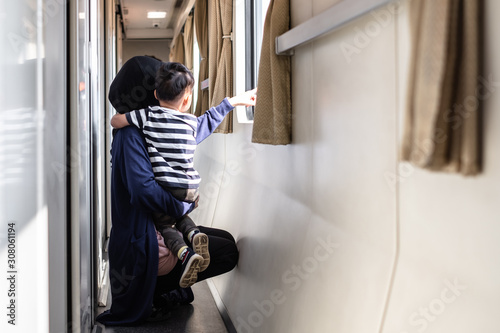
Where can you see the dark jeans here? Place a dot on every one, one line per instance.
(223, 258)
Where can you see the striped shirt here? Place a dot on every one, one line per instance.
(171, 137)
(171, 141)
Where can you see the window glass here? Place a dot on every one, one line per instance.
(196, 69)
(249, 17)
(260, 11)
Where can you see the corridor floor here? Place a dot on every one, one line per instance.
(202, 316)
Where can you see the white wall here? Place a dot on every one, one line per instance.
(329, 244)
(448, 273)
(158, 48)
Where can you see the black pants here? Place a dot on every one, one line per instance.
(223, 258)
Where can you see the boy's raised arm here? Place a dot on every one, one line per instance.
(248, 98)
(208, 122)
(119, 121)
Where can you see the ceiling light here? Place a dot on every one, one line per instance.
(157, 15)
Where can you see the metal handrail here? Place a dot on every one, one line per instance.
(333, 18)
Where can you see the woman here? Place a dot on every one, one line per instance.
(142, 270)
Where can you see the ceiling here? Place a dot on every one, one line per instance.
(139, 26)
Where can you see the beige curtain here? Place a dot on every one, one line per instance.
(201, 27)
(221, 57)
(188, 42)
(273, 112)
(188, 46)
(442, 116)
(177, 51)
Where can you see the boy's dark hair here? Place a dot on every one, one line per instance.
(172, 79)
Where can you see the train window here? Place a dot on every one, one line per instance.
(247, 44)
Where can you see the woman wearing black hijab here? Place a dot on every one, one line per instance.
(133, 249)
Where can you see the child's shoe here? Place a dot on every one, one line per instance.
(190, 267)
(200, 246)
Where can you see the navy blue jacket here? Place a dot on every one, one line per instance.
(133, 246)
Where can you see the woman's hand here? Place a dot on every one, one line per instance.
(248, 98)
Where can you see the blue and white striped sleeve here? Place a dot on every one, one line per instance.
(137, 118)
(208, 122)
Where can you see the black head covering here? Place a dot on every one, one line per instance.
(134, 85)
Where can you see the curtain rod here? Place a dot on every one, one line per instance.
(333, 18)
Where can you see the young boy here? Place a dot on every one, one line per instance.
(171, 136)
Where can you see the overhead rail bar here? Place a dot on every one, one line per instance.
(329, 20)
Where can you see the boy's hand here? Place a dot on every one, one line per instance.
(248, 98)
(119, 121)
